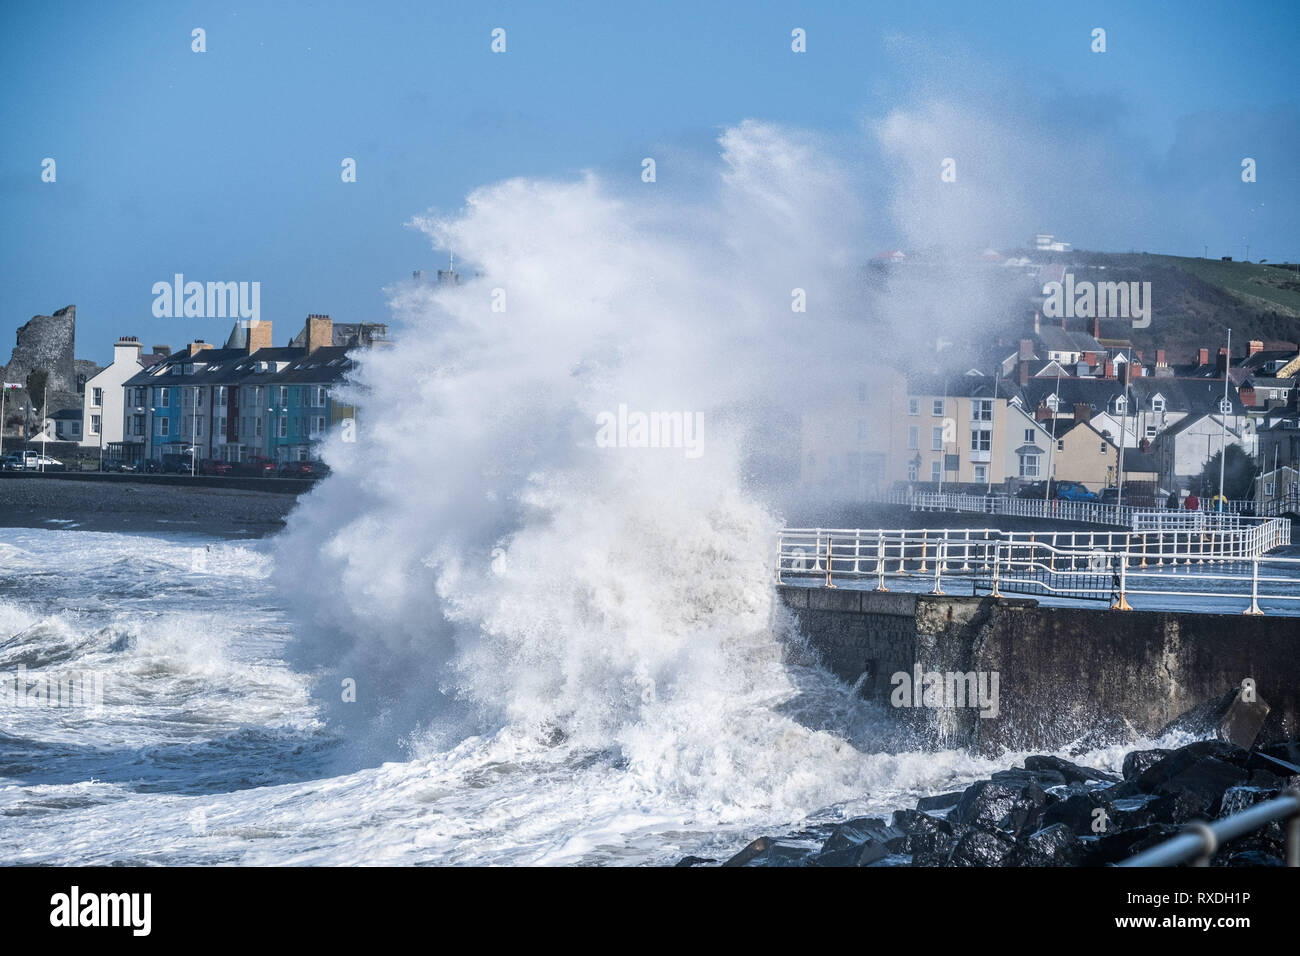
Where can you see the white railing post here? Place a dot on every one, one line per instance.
(1254, 588)
(880, 563)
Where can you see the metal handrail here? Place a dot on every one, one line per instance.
(1093, 512)
(1201, 841)
(1127, 563)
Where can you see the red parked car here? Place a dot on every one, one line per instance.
(302, 469)
(214, 466)
(256, 467)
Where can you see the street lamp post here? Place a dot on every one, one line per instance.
(1051, 449)
(992, 431)
(943, 438)
(1123, 431)
(194, 432)
(1223, 418)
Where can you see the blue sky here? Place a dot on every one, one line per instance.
(225, 165)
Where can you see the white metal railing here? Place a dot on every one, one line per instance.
(1271, 507)
(1091, 512)
(1084, 565)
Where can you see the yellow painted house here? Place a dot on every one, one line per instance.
(1085, 455)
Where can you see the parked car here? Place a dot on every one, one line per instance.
(119, 464)
(215, 466)
(1073, 491)
(31, 461)
(1036, 489)
(1109, 496)
(302, 469)
(255, 467)
(173, 464)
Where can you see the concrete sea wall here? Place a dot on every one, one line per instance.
(1063, 674)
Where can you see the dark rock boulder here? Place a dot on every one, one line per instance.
(1119, 845)
(1072, 772)
(1178, 807)
(1282, 760)
(1253, 858)
(942, 801)
(860, 842)
(765, 851)
(1077, 813)
(1055, 845)
(1179, 761)
(928, 839)
(993, 804)
(1203, 772)
(754, 850)
(1236, 799)
(1230, 717)
(1126, 812)
(980, 846)
(1136, 762)
(1023, 778)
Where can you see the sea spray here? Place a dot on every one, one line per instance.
(479, 564)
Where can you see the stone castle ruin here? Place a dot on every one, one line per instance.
(47, 342)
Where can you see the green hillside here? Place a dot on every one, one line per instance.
(1196, 300)
(1263, 286)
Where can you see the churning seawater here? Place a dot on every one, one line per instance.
(208, 748)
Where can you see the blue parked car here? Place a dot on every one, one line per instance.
(1073, 491)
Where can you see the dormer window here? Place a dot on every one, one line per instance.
(1121, 405)
(1158, 404)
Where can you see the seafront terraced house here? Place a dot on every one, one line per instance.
(247, 399)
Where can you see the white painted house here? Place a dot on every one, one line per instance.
(102, 403)
(1184, 449)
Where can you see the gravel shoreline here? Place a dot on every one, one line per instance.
(141, 507)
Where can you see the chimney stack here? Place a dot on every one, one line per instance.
(1221, 366)
(1160, 359)
(1082, 412)
(1203, 357)
(1255, 346)
(1109, 371)
(318, 332)
(197, 346)
(127, 349)
(259, 335)
(1026, 353)
(1096, 327)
